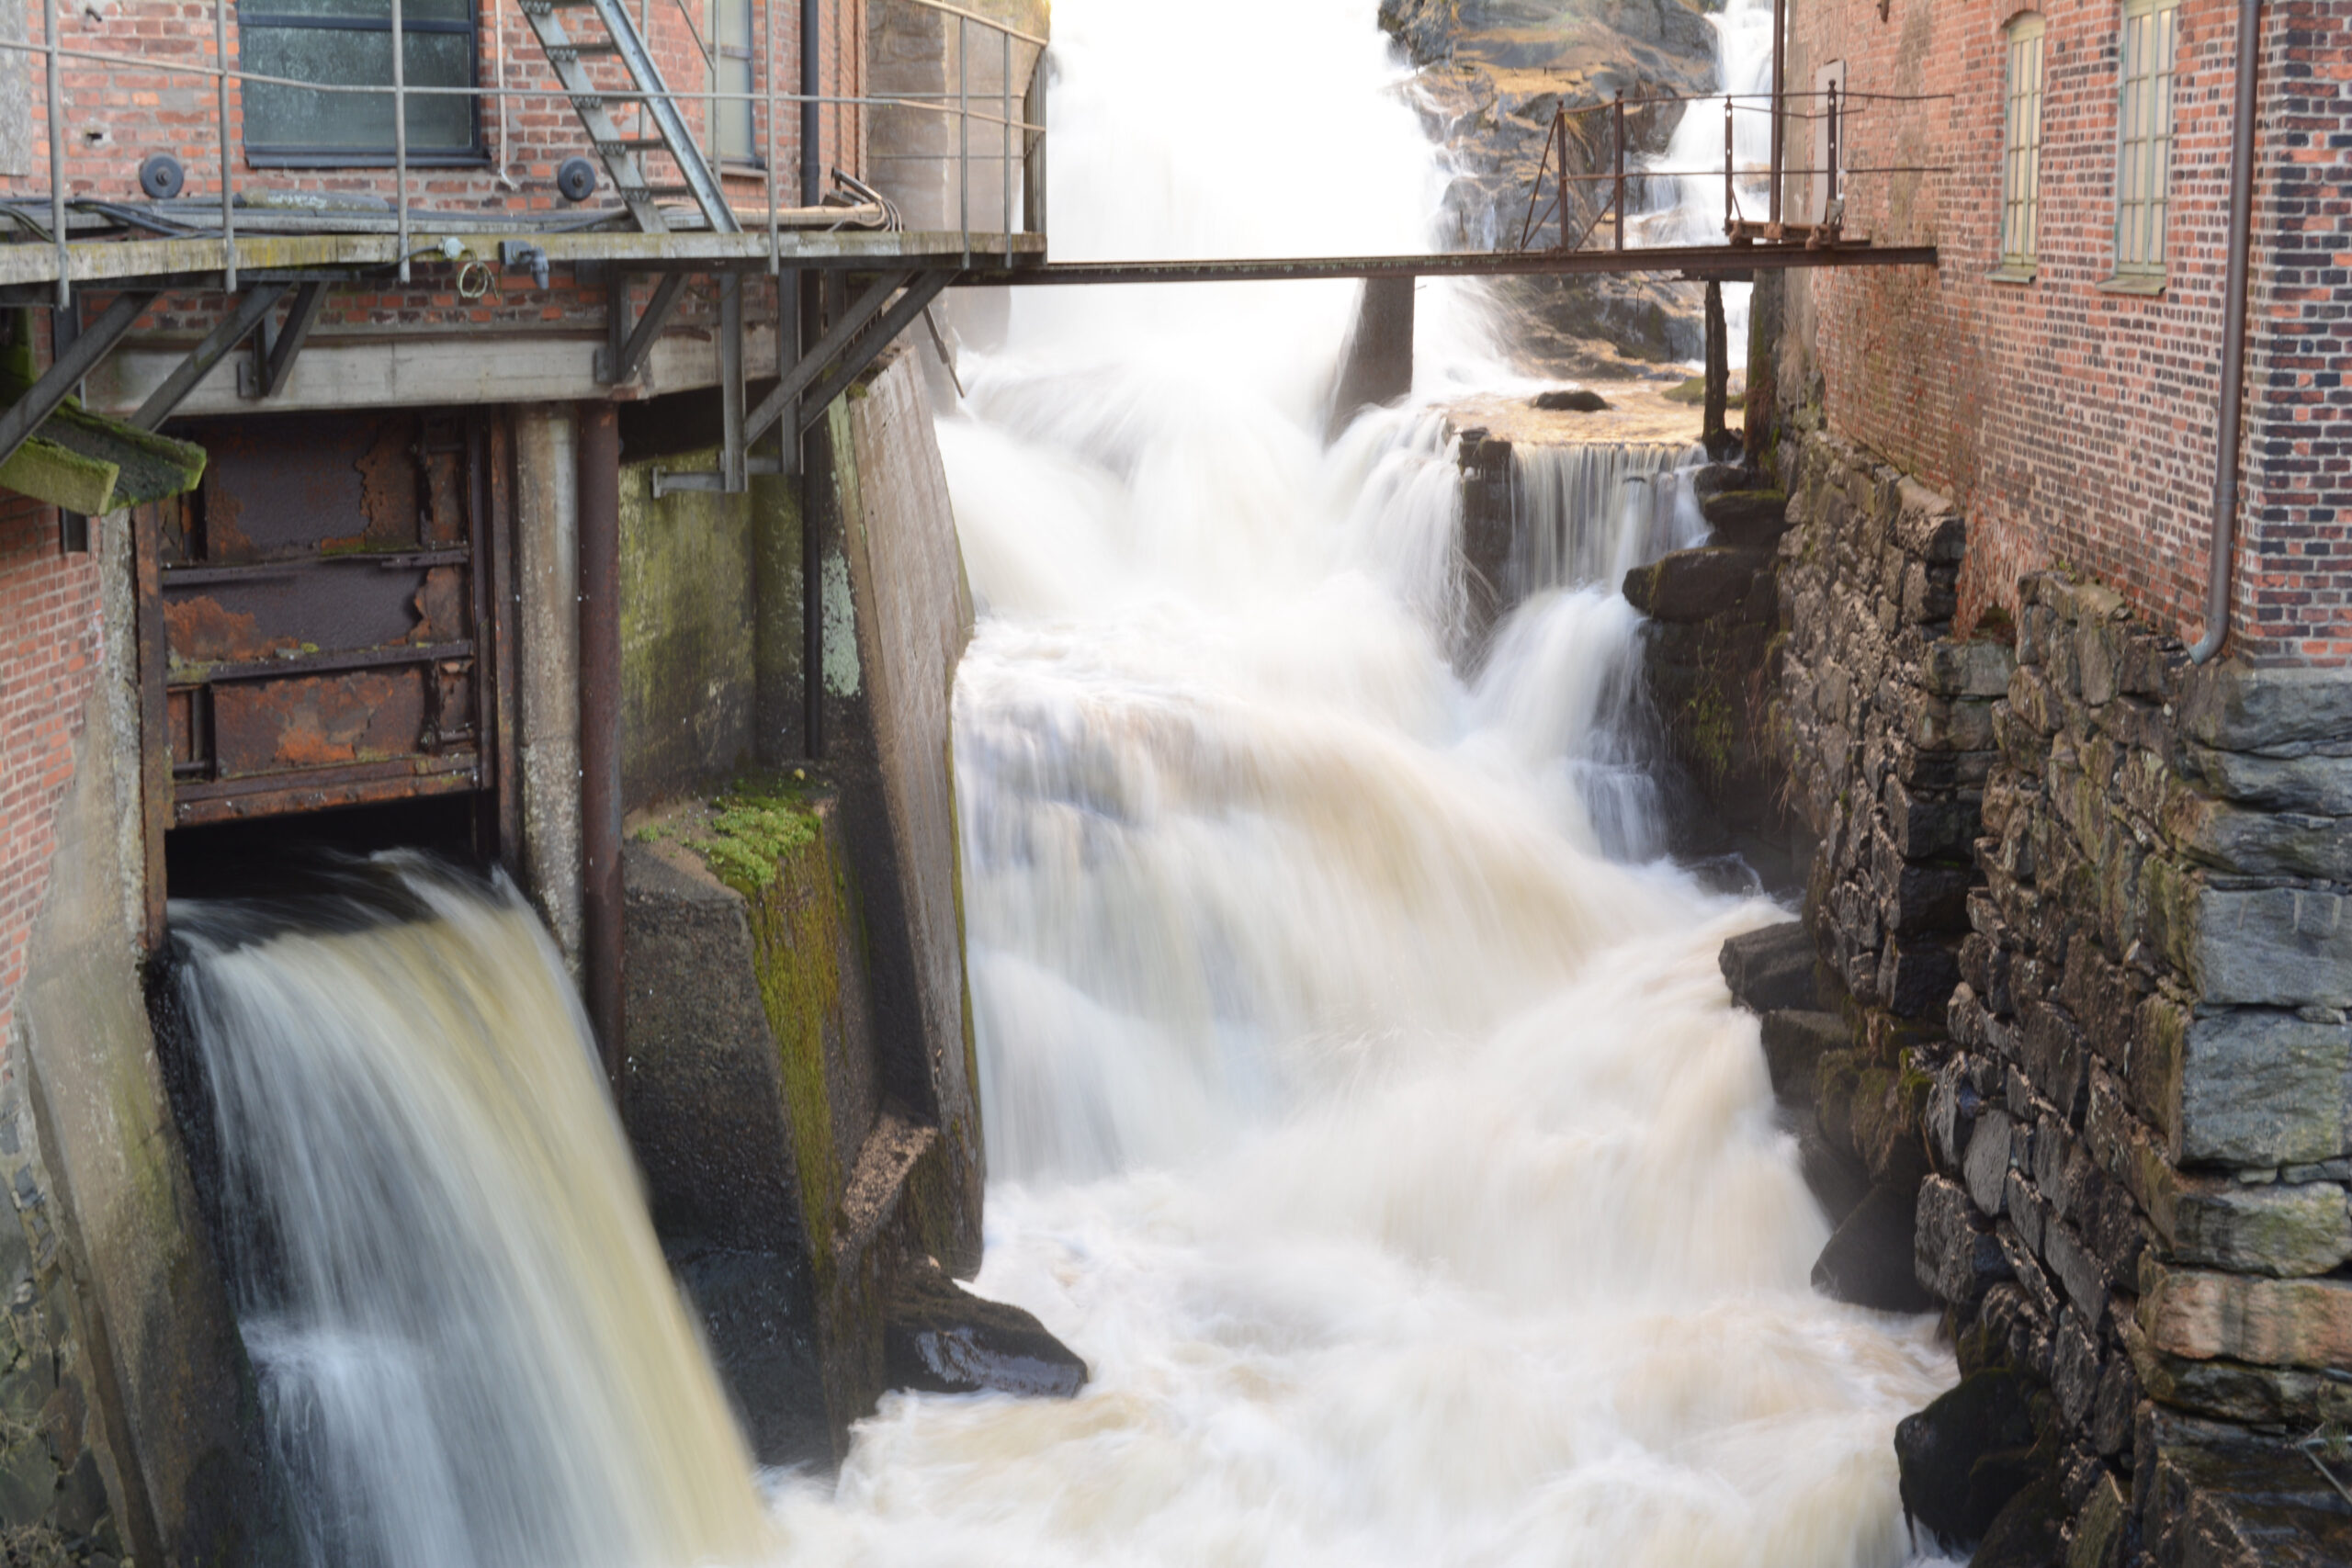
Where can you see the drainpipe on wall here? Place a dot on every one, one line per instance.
(2234, 287)
(598, 499)
(809, 307)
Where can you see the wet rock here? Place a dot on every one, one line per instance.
(1701, 584)
(1749, 519)
(2025, 1534)
(1577, 400)
(1955, 1254)
(1769, 969)
(1794, 1041)
(940, 1338)
(1867, 1261)
(1838, 1182)
(1967, 1456)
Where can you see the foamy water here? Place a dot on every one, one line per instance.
(1360, 1101)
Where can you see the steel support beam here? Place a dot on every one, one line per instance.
(732, 447)
(1686, 260)
(871, 342)
(805, 369)
(276, 351)
(620, 360)
(95, 342)
(217, 345)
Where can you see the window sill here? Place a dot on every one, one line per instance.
(2147, 285)
(2013, 272)
(257, 158)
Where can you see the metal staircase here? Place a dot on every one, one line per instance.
(619, 154)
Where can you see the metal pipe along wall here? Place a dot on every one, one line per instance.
(2234, 287)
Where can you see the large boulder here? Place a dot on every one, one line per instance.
(1794, 1041)
(940, 1338)
(1769, 969)
(1712, 582)
(1867, 1261)
(1964, 1456)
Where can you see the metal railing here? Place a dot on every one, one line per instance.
(1837, 114)
(996, 109)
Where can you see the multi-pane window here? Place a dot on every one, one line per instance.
(349, 42)
(731, 54)
(2021, 147)
(2143, 140)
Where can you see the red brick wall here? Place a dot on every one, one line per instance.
(50, 630)
(116, 115)
(2074, 426)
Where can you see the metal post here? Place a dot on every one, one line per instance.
(1830, 200)
(228, 200)
(964, 135)
(400, 135)
(2223, 551)
(1779, 64)
(812, 87)
(1560, 140)
(1731, 194)
(1617, 120)
(56, 156)
(767, 125)
(1005, 212)
(809, 444)
(598, 490)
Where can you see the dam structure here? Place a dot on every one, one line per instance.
(1494, 819)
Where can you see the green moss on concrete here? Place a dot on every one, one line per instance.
(688, 670)
(768, 844)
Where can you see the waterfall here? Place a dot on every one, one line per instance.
(1360, 1099)
(468, 1350)
(1590, 513)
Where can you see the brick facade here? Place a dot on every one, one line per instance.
(2074, 426)
(49, 632)
(116, 115)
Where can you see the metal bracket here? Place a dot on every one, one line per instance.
(668, 481)
(95, 342)
(217, 345)
(520, 252)
(896, 320)
(862, 310)
(625, 354)
(265, 374)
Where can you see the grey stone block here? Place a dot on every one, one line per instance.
(1770, 968)
(2250, 1087)
(2279, 1229)
(1987, 1160)
(2232, 708)
(2316, 782)
(1954, 1253)
(1793, 1042)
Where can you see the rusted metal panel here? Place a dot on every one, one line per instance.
(321, 607)
(320, 721)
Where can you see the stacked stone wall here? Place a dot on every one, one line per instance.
(2079, 1020)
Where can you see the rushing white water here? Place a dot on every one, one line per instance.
(1358, 1103)
(1590, 514)
(468, 1351)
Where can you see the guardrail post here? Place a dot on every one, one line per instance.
(56, 155)
(1004, 213)
(1731, 204)
(400, 136)
(1780, 38)
(1834, 151)
(227, 192)
(1617, 120)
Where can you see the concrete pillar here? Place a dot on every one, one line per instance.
(548, 670)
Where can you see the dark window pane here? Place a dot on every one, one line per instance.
(289, 118)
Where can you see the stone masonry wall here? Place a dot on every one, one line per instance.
(2084, 960)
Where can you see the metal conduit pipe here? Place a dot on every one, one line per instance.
(2234, 290)
(599, 512)
(809, 309)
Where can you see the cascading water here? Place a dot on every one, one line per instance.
(1357, 1102)
(1590, 513)
(469, 1352)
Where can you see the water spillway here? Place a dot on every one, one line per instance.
(1362, 1099)
(468, 1350)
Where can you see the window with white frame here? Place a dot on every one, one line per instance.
(2143, 137)
(2021, 147)
(733, 30)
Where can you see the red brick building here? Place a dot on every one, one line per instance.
(2066, 399)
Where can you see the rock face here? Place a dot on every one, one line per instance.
(940, 1338)
(1965, 1456)
(1492, 73)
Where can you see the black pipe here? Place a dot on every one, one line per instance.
(812, 163)
(599, 501)
(2233, 289)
